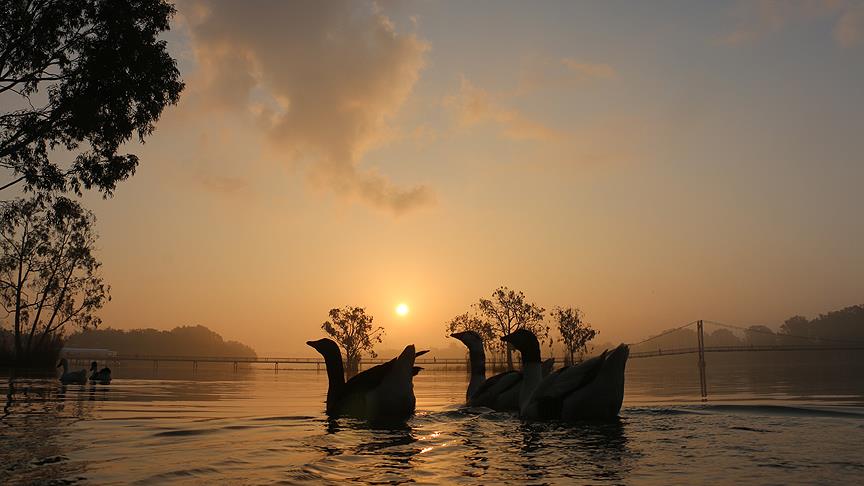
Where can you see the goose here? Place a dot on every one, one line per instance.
(499, 392)
(591, 390)
(79, 376)
(102, 376)
(383, 393)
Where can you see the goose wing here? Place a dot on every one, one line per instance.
(368, 379)
(601, 398)
(547, 400)
(493, 387)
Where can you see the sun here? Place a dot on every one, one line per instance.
(402, 309)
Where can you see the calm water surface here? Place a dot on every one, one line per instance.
(764, 423)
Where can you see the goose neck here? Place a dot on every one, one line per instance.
(478, 361)
(335, 372)
(532, 375)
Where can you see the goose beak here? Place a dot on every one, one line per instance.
(457, 335)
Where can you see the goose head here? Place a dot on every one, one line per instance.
(470, 339)
(63, 363)
(526, 343)
(93, 366)
(326, 347)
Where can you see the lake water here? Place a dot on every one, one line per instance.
(770, 420)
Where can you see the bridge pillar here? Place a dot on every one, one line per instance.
(703, 385)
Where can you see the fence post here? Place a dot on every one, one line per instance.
(703, 385)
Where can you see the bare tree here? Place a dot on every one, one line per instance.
(49, 275)
(575, 333)
(353, 331)
(507, 311)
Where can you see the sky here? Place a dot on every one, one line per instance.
(652, 163)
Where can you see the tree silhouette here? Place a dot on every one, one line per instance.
(81, 76)
(471, 322)
(49, 276)
(796, 326)
(759, 336)
(575, 333)
(180, 341)
(507, 311)
(352, 330)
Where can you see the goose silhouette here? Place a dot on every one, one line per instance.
(381, 394)
(591, 390)
(498, 392)
(102, 376)
(67, 377)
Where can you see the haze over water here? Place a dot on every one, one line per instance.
(795, 421)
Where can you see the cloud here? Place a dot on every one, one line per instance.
(763, 18)
(475, 106)
(322, 80)
(588, 70)
(849, 30)
(224, 185)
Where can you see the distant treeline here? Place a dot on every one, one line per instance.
(845, 325)
(180, 341)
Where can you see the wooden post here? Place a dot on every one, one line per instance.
(703, 385)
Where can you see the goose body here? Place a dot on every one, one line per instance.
(102, 376)
(68, 377)
(498, 392)
(383, 393)
(591, 390)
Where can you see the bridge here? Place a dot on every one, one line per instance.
(813, 344)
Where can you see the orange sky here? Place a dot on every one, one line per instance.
(650, 165)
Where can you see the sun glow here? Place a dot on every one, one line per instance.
(402, 309)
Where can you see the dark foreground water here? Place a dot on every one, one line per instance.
(790, 422)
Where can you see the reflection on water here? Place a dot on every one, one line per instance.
(256, 426)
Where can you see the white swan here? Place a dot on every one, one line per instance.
(102, 376)
(591, 390)
(79, 376)
(383, 393)
(499, 392)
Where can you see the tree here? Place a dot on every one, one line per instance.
(759, 336)
(352, 330)
(49, 275)
(575, 334)
(797, 326)
(180, 341)
(470, 322)
(722, 337)
(507, 312)
(81, 76)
